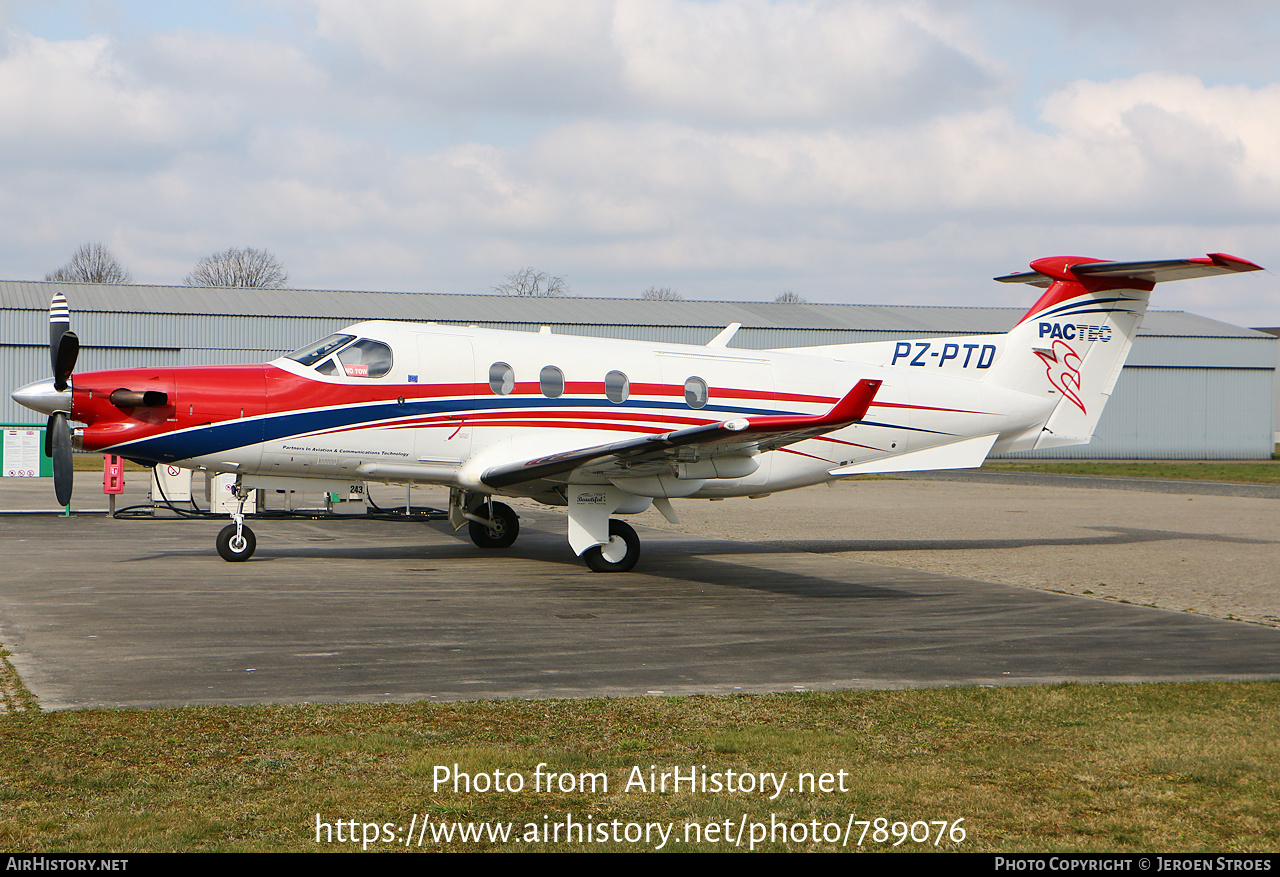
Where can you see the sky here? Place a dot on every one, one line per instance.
(871, 152)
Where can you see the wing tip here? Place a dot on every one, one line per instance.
(1231, 263)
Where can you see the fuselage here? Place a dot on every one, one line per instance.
(442, 404)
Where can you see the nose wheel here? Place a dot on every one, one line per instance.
(236, 546)
(619, 554)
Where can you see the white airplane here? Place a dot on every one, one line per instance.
(609, 427)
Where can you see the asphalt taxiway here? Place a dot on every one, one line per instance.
(139, 613)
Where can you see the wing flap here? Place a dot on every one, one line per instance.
(745, 434)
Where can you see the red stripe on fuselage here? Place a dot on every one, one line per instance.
(619, 419)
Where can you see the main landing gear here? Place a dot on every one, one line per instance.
(619, 554)
(605, 544)
(499, 531)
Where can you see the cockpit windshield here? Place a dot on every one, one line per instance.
(313, 353)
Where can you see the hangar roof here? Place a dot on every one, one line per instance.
(353, 305)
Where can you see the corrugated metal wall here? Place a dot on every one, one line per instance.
(1181, 414)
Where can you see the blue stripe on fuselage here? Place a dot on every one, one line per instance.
(220, 437)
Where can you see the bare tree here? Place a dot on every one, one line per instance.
(536, 284)
(661, 293)
(246, 269)
(789, 298)
(92, 263)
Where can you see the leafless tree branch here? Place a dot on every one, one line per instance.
(92, 263)
(245, 269)
(537, 284)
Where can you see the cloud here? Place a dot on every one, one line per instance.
(723, 62)
(73, 101)
(732, 149)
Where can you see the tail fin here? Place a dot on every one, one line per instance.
(1075, 339)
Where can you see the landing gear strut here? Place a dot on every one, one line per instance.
(236, 542)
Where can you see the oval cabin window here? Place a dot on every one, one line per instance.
(551, 380)
(502, 378)
(616, 387)
(695, 392)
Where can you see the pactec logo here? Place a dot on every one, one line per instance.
(1062, 366)
(1075, 331)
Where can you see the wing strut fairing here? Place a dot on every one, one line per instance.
(765, 433)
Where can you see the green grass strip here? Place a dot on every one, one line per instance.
(1261, 472)
(1152, 767)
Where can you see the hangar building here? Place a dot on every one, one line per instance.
(1193, 388)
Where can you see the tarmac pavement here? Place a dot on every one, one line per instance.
(765, 595)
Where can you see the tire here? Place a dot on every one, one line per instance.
(504, 532)
(620, 554)
(234, 553)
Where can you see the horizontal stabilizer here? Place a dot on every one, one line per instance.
(1146, 272)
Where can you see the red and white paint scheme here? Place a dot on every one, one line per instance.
(609, 427)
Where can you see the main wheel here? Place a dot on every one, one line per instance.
(619, 554)
(233, 549)
(503, 531)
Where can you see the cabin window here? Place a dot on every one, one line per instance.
(365, 359)
(551, 379)
(502, 378)
(328, 367)
(695, 392)
(313, 353)
(616, 387)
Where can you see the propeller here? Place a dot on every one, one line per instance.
(64, 349)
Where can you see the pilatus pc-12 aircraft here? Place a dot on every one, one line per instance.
(608, 427)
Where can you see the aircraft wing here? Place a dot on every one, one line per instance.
(764, 433)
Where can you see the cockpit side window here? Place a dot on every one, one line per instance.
(313, 353)
(366, 359)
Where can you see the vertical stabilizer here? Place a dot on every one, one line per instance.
(1074, 341)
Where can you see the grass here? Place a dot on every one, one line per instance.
(1254, 471)
(1158, 767)
(14, 695)
(93, 463)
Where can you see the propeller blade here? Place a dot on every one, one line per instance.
(64, 346)
(64, 359)
(59, 322)
(58, 442)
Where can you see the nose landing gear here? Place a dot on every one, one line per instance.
(236, 542)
